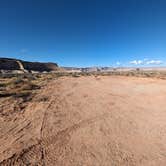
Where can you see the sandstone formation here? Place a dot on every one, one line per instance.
(25, 66)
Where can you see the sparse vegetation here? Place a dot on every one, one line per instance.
(24, 86)
(17, 86)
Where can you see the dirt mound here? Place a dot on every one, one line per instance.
(99, 121)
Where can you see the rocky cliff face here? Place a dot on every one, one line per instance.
(8, 64)
(15, 64)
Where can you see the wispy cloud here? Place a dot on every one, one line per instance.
(146, 62)
(137, 62)
(154, 62)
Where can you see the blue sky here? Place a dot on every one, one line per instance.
(85, 32)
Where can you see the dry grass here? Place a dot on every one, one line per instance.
(16, 92)
(21, 85)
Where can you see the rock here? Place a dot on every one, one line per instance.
(7, 64)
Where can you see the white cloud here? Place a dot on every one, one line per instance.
(146, 62)
(154, 62)
(137, 62)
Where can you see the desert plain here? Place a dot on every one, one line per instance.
(86, 121)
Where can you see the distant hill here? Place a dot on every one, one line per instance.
(113, 69)
(16, 64)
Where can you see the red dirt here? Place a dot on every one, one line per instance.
(103, 121)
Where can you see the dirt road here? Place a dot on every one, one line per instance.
(89, 121)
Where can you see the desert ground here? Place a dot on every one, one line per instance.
(87, 121)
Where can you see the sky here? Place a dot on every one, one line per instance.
(83, 33)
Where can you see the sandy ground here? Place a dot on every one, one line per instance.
(89, 121)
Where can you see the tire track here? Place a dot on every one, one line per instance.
(66, 133)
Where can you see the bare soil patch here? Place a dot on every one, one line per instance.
(92, 121)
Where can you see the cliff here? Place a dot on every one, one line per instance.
(15, 64)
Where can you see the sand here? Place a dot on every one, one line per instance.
(89, 121)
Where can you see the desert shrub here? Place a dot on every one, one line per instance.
(29, 86)
(147, 74)
(6, 94)
(42, 99)
(23, 94)
(85, 73)
(16, 81)
(75, 75)
(18, 87)
(3, 84)
(60, 74)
